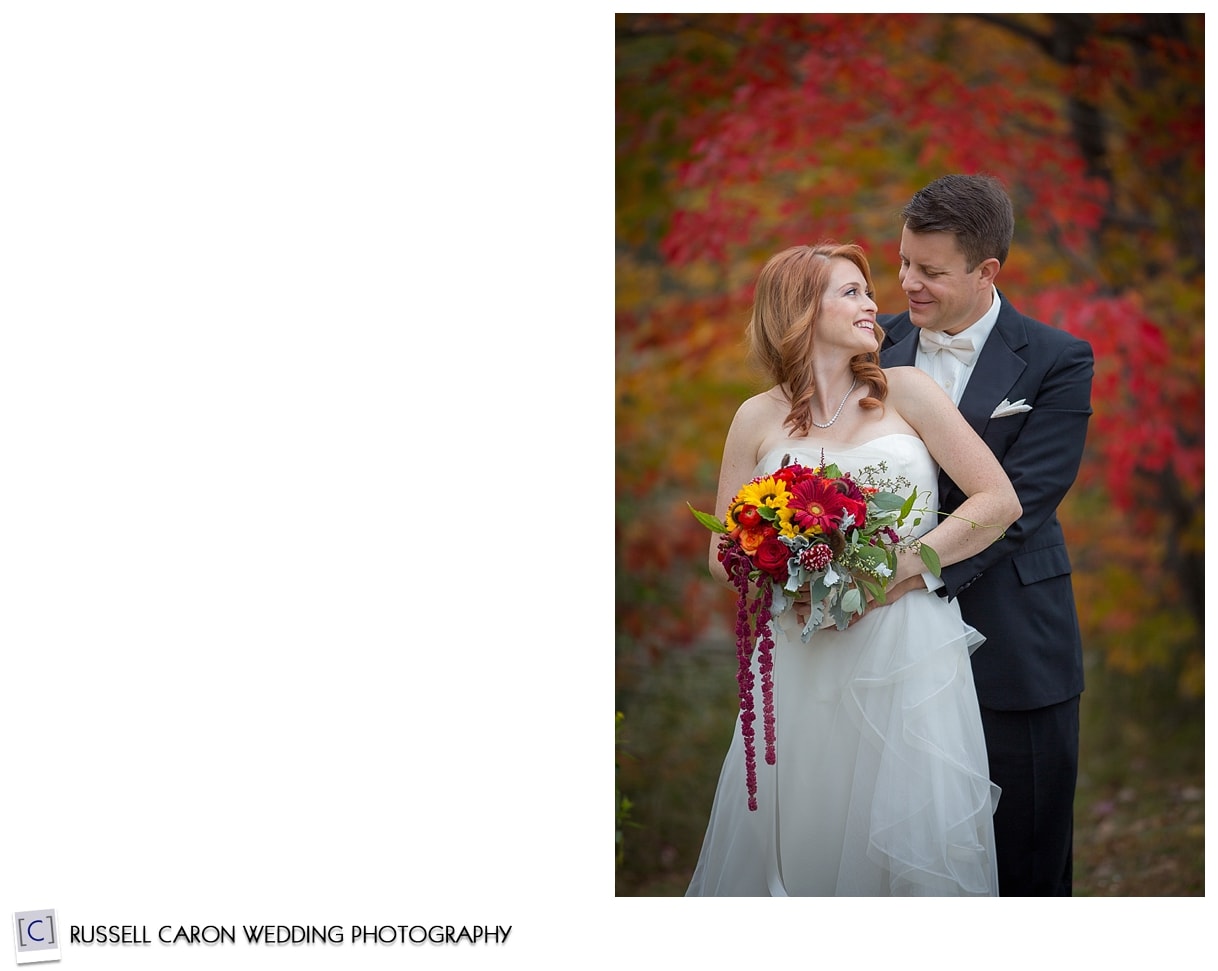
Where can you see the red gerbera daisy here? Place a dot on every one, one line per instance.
(818, 505)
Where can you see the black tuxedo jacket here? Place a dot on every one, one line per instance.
(1018, 592)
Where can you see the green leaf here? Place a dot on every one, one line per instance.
(816, 614)
(852, 601)
(840, 617)
(871, 556)
(907, 508)
(886, 501)
(876, 590)
(766, 513)
(931, 559)
(709, 521)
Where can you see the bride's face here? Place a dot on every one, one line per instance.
(847, 313)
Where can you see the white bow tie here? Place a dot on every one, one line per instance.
(933, 342)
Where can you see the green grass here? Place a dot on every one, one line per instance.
(679, 717)
(1140, 805)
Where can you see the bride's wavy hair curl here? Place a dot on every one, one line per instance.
(786, 305)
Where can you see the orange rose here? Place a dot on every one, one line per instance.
(750, 539)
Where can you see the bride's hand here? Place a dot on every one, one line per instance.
(894, 593)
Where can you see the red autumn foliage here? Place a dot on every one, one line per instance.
(740, 134)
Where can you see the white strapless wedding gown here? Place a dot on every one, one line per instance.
(881, 784)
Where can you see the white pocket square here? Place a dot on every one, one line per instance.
(1007, 408)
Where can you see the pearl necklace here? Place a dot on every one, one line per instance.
(837, 414)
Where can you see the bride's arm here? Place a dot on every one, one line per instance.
(992, 504)
(739, 459)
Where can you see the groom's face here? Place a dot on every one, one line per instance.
(943, 294)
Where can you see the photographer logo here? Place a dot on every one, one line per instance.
(35, 936)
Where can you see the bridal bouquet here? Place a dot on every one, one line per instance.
(813, 528)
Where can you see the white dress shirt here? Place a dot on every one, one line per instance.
(949, 372)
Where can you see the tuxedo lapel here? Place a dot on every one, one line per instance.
(903, 352)
(996, 370)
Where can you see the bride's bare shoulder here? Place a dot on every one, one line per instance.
(763, 407)
(906, 378)
(916, 397)
(907, 384)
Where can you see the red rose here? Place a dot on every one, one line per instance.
(858, 508)
(790, 474)
(771, 557)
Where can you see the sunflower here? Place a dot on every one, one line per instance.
(766, 491)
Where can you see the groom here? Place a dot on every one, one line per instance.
(1026, 389)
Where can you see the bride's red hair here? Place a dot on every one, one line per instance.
(786, 305)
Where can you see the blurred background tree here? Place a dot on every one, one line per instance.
(741, 134)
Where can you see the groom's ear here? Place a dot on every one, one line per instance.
(988, 271)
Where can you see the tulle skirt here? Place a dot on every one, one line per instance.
(880, 785)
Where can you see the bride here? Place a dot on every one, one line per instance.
(880, 785)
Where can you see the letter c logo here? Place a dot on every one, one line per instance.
(29, 930)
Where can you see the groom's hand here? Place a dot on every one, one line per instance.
(898, 590)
